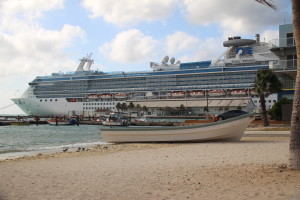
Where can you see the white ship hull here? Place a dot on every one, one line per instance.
(33, 106)
(59, 106)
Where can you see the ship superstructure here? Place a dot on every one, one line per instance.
(82, 92)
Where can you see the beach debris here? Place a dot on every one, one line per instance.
(65, 149)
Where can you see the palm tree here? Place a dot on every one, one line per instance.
(266, 82)
(145, 109)
(118, 106)
(124, 106)
(138, 108)
(131, 106)
(295, 122)
(295, 131)
(168, 110)
(182, 109)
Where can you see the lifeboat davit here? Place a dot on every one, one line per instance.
(239, 92)
(197, 94)
(178, 94)
(121, 95)
(216, 93)
(106, 96)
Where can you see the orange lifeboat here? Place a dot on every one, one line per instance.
(121, 95)
(239, 92)
(216, 93)
(106, 96)
(197, 94)
(93, 96)
(178, 94)
(252, 92)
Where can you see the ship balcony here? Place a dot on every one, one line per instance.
(282, 43)
(284, 64)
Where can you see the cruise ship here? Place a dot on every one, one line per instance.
(83, 91)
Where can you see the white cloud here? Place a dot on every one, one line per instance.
(239, 17)
(269, 35)
(130, 11)
(30, 8)
(26, 46)
(180, 41)
(130, 46)
(188, 48)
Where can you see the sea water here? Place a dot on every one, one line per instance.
(18, 141)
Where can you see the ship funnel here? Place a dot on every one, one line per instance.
(257, 36)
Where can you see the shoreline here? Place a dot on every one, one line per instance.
(254, 168)
(251, 134)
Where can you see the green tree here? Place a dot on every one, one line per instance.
(276, 112)
(266, 82)
(145, 109)
(124, 106)
(131, 106)
(118, 106)
(168, 110)
(182, 109)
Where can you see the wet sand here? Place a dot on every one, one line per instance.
(255, 168)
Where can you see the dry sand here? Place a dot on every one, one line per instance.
(254, 168)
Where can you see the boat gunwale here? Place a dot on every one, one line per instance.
(116, 128)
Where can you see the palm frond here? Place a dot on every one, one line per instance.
(268, 3)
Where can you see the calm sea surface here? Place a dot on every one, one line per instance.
(17, 141)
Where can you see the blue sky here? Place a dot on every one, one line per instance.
(38, 37)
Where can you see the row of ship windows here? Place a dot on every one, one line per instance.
(41, 100)
(99, 104)
(214, 76)
(95, 108)
(269, 101)
(165, 81)
(44, 91)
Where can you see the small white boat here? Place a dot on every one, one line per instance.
(61, 121)
(115, 120)
(230, 129)
(141, 119)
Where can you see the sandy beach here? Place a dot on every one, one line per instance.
(255, 168)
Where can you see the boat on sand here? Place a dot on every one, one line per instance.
(230, 129)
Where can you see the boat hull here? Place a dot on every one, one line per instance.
(231, 129)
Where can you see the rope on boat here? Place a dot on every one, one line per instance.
(7, 106)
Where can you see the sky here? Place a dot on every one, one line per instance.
(39, 37)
